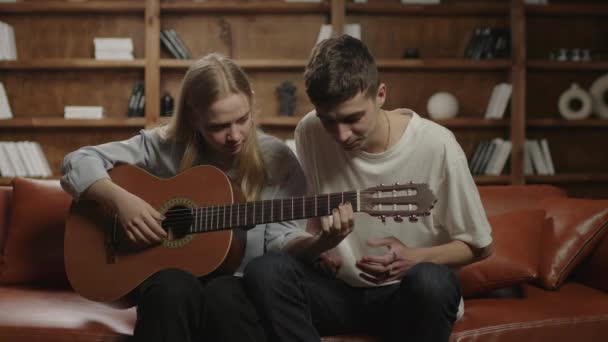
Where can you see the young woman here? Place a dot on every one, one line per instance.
(213, 125)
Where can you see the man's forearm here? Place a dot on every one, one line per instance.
(455, 254)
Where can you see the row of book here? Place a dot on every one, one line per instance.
(537, 157)
(171, 41)
(489, 43)
(137, 102)
(5, 107)
(326, 31)
(113, 49)
(23, 159)
(8, 49)
(490, 157)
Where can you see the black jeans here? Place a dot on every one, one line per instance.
(299, 303)
(174, 305)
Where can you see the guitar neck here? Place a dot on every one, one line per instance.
(221, 217)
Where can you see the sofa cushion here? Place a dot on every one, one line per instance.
(575, 312)
(516, 238)
(33, 250)
(35, 314)
(578, 226)
(594, 270)
(498, 199)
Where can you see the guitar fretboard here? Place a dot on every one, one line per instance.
(259, 212)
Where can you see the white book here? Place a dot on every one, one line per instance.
(4, 55)
(544, 145)
(504, 96)
(38, 169)
(15, 160)
(5, 106)
(113, 43)
(26, 158)
(528, 169)
(353, 30)
(493, 157)
(537, 157)
(12, 46)
(490, 109)
(45, 163)
(325, 32)
(501, 158)
(6, 167)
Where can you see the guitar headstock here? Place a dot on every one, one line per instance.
(399, 201)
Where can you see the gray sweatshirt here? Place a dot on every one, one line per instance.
(162, 158)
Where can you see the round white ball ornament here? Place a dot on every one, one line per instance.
(442, 105)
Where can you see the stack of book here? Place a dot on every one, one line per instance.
(23, 158)
(113, 48)
(489, 43)
(83, 112)
(537, 158)
(8, 49)
(5, 107)
(137, 102)
(171, 41)
(490, 157)
(499, 101)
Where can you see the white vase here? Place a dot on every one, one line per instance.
(569, 98)
(442, 105)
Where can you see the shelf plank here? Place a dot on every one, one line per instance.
(247, 64)
(400, 64)
(540, 64)
(119, 7)
(568, 10)
(232, 7)
(70, 63)
(471, 9)
(492, 180)
(58, 122)
(279, 121)
(444, 64)
(563, 123)
(569, 178)
(473, 123)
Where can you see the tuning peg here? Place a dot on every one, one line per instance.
(383, 218)
(413, 218)
(397, 183)
(427, 214)
(398, 218)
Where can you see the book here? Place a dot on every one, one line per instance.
(5, 107)
(326, 31)
(499, 101)
(166, 42)
(182, 49)
(476, 155)
(544, 146)
(500, 157)
(536, 154)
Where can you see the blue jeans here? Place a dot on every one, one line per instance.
(298, 302)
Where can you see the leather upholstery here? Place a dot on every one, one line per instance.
(578, 226)
(575, 311)
(516, 238)
(5, 200)
(498, 199)
(33, 249)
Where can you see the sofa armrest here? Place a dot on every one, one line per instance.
(5, 200)
(593, 271)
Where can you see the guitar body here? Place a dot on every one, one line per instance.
(108, 274)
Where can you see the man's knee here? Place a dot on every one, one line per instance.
(431, 282)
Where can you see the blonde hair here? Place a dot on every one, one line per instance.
(208, 80)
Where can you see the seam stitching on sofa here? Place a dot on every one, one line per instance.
(533, 324)
(560, 279)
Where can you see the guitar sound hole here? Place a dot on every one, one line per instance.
(177, 222)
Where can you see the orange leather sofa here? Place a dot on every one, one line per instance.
(562, 294)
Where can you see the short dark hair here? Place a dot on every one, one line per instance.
(338, 69)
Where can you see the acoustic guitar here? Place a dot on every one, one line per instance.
(206, 222)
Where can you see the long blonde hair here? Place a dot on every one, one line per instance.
(208, 80)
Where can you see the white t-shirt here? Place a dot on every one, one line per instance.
(425, 153)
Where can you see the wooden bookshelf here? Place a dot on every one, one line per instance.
(272, 39)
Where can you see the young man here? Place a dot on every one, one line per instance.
(394, 280)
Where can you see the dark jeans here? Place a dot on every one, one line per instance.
(299, 303)
(174, 305)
